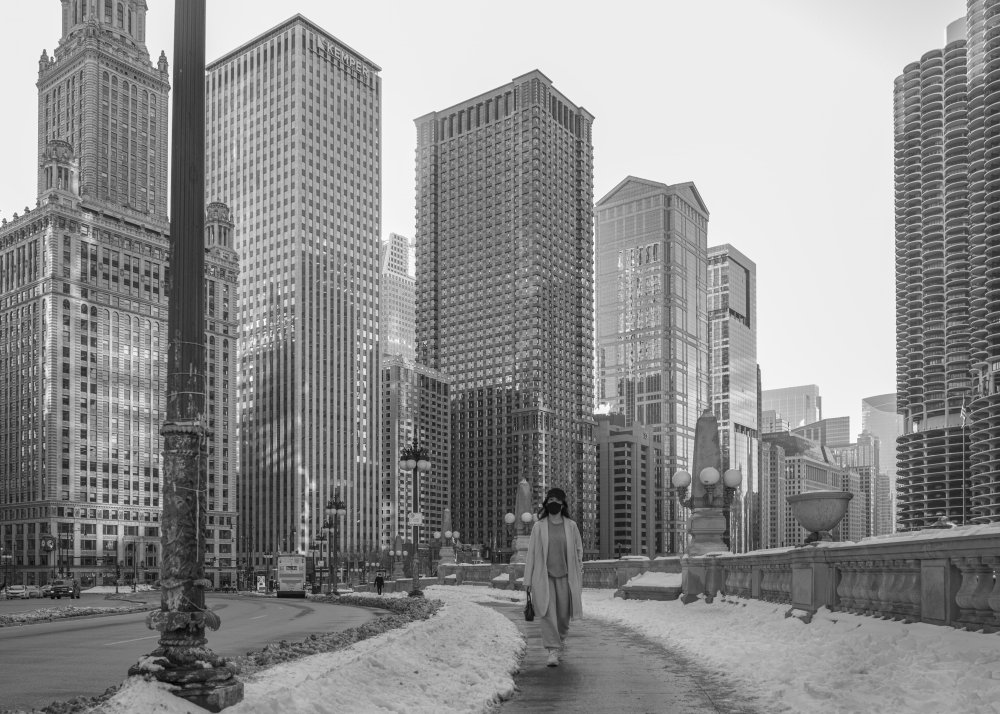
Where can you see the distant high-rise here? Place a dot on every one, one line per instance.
(292, 145)
(944, 313)
(869, 510)
(505, 295)
(773, 475)
(416, 404)
(879, 417)
(798, 406)
(652, 317)
(630, 488)
(732, 314)
(771, 421)
(834, 431)
(793, 465)
(397, 291)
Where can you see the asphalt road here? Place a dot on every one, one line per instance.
(54, 661)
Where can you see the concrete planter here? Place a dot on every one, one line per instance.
(819, 512)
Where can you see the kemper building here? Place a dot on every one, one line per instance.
(293, 146)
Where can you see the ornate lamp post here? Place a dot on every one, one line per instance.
(708, 523)
(396, 554)
(182, 658)
(521, 521)
(335, 509)
(414, 458)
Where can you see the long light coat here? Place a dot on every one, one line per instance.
(536, 575)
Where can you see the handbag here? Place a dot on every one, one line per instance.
(529, 610)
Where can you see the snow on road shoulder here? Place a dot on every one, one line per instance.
(839, 663)
(459, 661)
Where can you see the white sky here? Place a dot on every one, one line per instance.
(461, 659)
(780, 111)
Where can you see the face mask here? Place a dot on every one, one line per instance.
(553, 507)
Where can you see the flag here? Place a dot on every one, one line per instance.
(964, 414)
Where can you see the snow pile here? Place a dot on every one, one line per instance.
(461, 660)
(838, 664)
(656, 580)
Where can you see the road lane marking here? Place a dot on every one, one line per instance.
(137, 639)
(258, 617)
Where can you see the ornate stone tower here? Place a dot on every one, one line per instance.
(101, 93)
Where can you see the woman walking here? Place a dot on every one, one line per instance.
(553, 572)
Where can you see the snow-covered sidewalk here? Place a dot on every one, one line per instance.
(462, 660)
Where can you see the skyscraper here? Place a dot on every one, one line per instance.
(416, 404)
(833, 431)
(798, 406)
(83, 311)
(630, 488)
(942, 310)
(397, 313)
(504, 295)
(652, 319)
(879, 417)
(293, 147)
(732, 315)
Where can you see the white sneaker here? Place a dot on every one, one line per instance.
(553, 660)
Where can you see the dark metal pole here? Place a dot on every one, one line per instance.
(182, 658)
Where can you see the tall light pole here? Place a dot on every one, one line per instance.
(414, 458)
(335, 508)
(182, 659)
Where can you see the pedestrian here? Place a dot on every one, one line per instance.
(379, 582)
(553, 572)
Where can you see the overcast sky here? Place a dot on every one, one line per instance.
(780, 111)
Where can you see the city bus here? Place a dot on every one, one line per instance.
(291, 576)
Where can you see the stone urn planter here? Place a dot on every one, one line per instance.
(819, 512)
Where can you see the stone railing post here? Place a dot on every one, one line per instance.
(994, 597)
(845, 586)
(973, 595)
(911, 590)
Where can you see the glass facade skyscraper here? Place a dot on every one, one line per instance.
(732, 315)
(652, 319)
(505, 296)
(797, 406)
(293, 123)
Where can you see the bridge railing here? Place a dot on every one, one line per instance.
(941, 577)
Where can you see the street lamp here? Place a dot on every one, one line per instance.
(520, 521)
(414, 458)
(335, 508)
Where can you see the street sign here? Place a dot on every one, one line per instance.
(415, 519)
(261, 584)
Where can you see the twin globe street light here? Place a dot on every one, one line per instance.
(707, 499)
(335, 508)
(415, 458)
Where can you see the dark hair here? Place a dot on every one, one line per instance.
(554, 493)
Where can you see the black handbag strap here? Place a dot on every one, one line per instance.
(529, 597)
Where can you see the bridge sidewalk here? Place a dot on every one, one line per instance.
(607, 668)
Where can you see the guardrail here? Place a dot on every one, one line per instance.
(940, 577)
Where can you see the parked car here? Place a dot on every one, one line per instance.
(16, 592)
(45, 589)
(69, 587)
(33, 591)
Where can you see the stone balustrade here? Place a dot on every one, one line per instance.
(942, 577)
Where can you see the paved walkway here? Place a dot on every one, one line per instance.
(608, 668)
